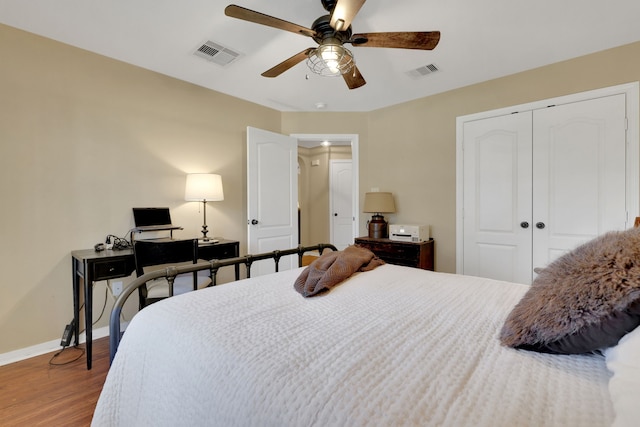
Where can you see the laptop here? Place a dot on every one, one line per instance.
(149, 219)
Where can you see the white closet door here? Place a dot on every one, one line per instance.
(579, 174)
(497, 197)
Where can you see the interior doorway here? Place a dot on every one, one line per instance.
(314, 198)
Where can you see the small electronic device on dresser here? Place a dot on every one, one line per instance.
(409, 232)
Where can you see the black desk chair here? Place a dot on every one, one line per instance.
(153, 255)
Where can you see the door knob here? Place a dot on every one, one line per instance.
(524, 224)
(540, 225)
(254, 221)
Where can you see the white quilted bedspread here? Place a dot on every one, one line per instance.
(395, 346)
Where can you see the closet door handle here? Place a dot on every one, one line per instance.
(540, 225)
(524, 224)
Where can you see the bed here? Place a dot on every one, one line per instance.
(393, 346)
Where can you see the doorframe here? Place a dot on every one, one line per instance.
(355, 164)
(631, 90)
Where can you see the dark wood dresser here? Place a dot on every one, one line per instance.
(418, 255)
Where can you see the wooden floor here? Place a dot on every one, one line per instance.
(46, 391)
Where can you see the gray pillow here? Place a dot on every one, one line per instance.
(584, 301)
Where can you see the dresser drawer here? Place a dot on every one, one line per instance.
(383, 250)
(111, 269)
(218, 251)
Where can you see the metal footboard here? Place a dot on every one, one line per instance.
(213, 266)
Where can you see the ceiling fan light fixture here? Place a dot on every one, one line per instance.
(331, 59)
(331, 31)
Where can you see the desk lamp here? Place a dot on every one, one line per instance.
(204, 187)
(378, 203)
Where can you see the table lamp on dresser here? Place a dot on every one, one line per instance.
(378, 203)
(204, 187)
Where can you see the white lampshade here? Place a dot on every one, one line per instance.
(203, 187)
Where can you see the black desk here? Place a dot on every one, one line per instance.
(89, 266)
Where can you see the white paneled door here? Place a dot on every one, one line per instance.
(341, 203)
(538, 183)
(272, 197)
(579, 154)
(497, 197)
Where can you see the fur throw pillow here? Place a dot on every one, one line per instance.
(584, 301)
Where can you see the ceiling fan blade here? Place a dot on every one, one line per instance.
(424, 40)
(344, 12)
(354, 79)
(288, 63)
(240, 12)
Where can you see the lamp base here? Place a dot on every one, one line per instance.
(378, 228)
(208, 241)
(204, 232)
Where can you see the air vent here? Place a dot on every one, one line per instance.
(424, 70)
(216, 53)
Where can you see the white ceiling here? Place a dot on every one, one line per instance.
(480, 40)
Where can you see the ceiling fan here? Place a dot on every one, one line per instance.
(331, 32)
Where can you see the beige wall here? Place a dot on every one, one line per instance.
(84, 138)
(411, 147)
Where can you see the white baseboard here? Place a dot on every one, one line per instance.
(47, 347)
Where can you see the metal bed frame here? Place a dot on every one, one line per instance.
(115, 333)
